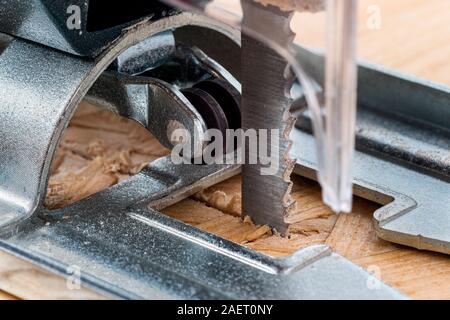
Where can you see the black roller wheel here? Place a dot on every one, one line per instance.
(228, 98)
(209, 109)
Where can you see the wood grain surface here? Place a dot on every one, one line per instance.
(21, 279)
(408, 35)
(99, 150)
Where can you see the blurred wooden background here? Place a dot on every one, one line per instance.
(409, 35)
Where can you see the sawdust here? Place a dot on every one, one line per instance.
(312, 221)
(100, 149)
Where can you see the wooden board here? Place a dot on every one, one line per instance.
(21, 279)
(99, 150)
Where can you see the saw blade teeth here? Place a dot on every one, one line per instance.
(291, 206)
(290, 122)
(267, 79)
(290, 78)
(290, 164)
(287, 199)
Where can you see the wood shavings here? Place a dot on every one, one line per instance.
(225, 196)
(258, 233)
(214, 221)
(354, 234)
(310, 218)
(278, 246)
(74, 186)
(188, 212)
(313, 223)
(312, 226)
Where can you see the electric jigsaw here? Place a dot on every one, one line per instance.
(182, 69)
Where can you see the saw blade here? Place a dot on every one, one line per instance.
(266, 80)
